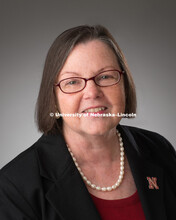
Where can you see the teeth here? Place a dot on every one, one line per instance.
(94, 109)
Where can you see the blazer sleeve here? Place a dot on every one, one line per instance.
(168, 158)
(12, 204)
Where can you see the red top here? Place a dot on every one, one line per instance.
(123, 209)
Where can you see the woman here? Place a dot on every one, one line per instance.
(88, 166)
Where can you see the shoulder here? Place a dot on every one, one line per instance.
(23, 168)
(152, 139)
(19, 179)
(28, 165)
(25, 180)
(153, 146)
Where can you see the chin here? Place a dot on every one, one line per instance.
(98, 128)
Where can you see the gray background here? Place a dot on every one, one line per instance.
(144, 29)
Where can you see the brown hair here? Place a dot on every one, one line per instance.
(56, 57)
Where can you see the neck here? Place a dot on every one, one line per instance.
(91, 150)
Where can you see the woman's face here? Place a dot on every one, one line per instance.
(87, 60)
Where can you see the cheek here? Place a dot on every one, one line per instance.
(117, 97)
(67, 103)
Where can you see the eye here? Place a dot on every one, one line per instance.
(72, 82)
(106, 76)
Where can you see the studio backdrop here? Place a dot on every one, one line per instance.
(144, 29)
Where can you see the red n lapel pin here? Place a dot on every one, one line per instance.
(152, 183)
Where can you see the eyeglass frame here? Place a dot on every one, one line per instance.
(91, 78)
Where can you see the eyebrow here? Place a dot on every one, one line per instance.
(69, 72)
(78, 74)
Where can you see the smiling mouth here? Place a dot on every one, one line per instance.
(91, 110)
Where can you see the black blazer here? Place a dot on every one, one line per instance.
(42, 183)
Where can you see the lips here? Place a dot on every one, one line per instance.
(97, 109)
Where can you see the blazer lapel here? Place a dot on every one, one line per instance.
(70, 197)
(143, 170)
(67, 193)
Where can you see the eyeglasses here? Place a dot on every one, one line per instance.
(102, 79)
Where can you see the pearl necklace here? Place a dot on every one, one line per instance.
(109, 188)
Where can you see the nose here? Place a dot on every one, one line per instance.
(92, 90)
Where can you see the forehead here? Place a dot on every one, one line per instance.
(89, 57)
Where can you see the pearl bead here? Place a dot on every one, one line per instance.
(121, 153)
(122, 158)
(117, 184)
(93, 186)
(121, 168)
(120, 177)
(85, 178)
(98, 188)
(109, 188)
(121, 173)
(114, 187)
(121, 163)
(88, 182)
(119, 180)
(103, 189)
